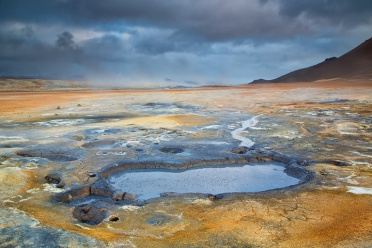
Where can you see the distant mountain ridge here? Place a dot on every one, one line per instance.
(355, 64)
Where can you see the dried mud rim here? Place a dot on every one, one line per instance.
(60, 154)
(101, 187)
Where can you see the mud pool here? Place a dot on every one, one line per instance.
(147, 184)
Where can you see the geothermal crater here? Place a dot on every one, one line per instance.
(151, 183)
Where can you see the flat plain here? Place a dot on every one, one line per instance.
(76, 132)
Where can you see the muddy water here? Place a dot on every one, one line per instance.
(147, 184)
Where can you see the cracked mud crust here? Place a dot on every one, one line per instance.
(326, 123)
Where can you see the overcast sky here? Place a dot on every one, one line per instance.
(175, 42)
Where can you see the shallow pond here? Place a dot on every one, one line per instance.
(150, 183)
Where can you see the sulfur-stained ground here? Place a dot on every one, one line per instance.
(328, 123)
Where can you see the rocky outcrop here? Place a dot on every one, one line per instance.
(92, 214)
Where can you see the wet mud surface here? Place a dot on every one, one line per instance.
(56, 157)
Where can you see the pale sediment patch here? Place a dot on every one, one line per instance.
(359, 190)
(147, 122)
(213, 127)
(245, 124)
(130, 208)
(160, 121)
(191, 119)
(362, 155)
(2, 137)
(52, 188)
(13, 181)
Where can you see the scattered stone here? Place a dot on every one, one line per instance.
(212, 197)
(339, 163)
(53, 178)
(92, 174)
(114, 218)
(171, 150)
(3, 159)
(129, 196)
(79, 105)
(61, 185)
(215, 197)
(78, 137)
(239, 150)
(118, 195)
(304, 163)
(92, 214)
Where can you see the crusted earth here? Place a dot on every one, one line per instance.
(54, 162)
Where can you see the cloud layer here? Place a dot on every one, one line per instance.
(175, 41)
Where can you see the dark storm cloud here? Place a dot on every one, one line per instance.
(65, 41)
(187, 41)
(345, 12)
(23, 55)
(213, 20)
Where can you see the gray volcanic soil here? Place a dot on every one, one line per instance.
(328, 134)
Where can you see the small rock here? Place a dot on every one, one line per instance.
(129, 196)
(53, 178)
(58, 107)
(78, 137)
(239, 150)
(171, 150)
(339, 163)
(305, 163)
(92, 174)
(61, 185)
(114, 218)
(4, 159)
(212, 197)
(92, 214)
(118, 195)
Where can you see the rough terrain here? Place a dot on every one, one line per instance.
(71, 136)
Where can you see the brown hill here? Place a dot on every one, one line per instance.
(356, 64)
